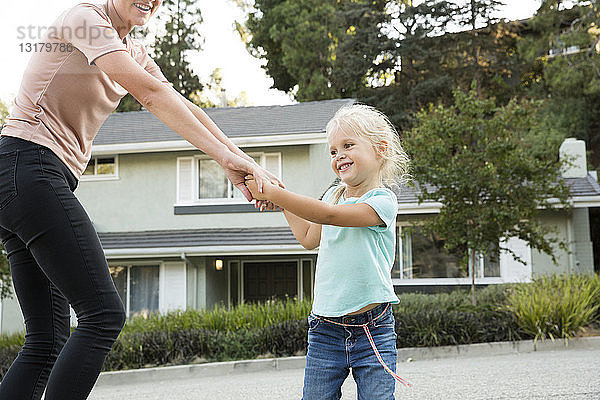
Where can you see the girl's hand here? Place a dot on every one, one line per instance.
(236, 168)
(252, 185)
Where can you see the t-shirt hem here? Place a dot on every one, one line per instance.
(346, 311)
(56, 150)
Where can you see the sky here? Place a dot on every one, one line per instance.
(222, 47)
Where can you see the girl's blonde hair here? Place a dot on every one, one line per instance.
(371, 124)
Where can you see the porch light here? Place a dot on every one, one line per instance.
(218, 265)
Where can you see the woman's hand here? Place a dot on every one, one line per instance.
(236, 169)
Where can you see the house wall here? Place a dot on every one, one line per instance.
(143, 196)
(541, 262)
(12, 318)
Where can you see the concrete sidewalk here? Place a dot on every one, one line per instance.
(288, 363)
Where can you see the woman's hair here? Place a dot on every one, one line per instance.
(371, 124)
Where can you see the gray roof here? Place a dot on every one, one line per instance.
(587, 186)
(143, 126)
(198, 237)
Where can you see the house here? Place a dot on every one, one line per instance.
(178, 236)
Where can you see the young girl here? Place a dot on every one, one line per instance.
(351, 326)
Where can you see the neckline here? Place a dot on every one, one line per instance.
(358, 197)
(125, 38)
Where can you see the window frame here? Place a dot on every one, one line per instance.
(128, 265)
(96, 177)
(401, 280)
(230, 189)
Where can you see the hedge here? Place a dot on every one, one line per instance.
(254, 331)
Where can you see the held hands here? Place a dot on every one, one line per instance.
(262, 198)
(236, 169)
(252, 185)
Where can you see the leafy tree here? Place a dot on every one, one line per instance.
(397, 55)
(213, 93)
(5, 278)
(3, 112)
(562, 50)
(509, 174)
(181, 19)
(298, 40)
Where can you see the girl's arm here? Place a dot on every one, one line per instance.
(314, 210)
(306, 232)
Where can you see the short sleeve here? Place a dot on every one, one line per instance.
(385, 204)
(89, 30)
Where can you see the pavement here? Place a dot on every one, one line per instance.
(508, 370)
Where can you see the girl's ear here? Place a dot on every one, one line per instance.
(382, 147)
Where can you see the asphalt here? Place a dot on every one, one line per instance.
(511, 370)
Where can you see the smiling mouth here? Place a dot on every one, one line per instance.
(344, 167)
(143, 7)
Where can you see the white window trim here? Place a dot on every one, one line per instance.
(196, 183)
(141, 264)
(95, 178)
(442, 281)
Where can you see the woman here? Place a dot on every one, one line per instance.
(68, 91)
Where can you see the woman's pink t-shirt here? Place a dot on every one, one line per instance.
(64, 97)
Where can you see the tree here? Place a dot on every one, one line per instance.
(562, 49)
(298, 40)
(5, 278)
(213, 94)
(3, 112)
(171, 48)
(510, 178)
(182, 21)
(397, 55)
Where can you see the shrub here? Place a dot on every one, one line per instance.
(555, 306)
(439, 327)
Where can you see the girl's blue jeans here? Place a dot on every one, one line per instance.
(334, 350)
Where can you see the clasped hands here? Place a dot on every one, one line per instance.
(262, 198)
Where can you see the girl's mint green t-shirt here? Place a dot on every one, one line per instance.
(354, 264)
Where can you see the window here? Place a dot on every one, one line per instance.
(421, 255)
(138, 287)
(101, 167)
(201, 179)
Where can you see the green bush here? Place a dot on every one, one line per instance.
(276, 329)
(555, 306)
(243, 316)
(439, 327)
(154, 348)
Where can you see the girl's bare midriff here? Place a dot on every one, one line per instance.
(365, 308)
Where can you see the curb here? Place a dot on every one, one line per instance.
(404, 355)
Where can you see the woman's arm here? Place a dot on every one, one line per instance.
(306, 232)
(162, 101)
(316, 211)
(221, 137)
(212, 127)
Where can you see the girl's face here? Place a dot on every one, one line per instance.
(354, 159)
(137, 12)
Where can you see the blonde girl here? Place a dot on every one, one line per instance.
(351, 326)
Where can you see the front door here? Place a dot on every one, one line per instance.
(270, 280)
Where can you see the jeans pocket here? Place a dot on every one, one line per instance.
(386, 320)
(8, 174)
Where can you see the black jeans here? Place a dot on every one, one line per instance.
(55, 260)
